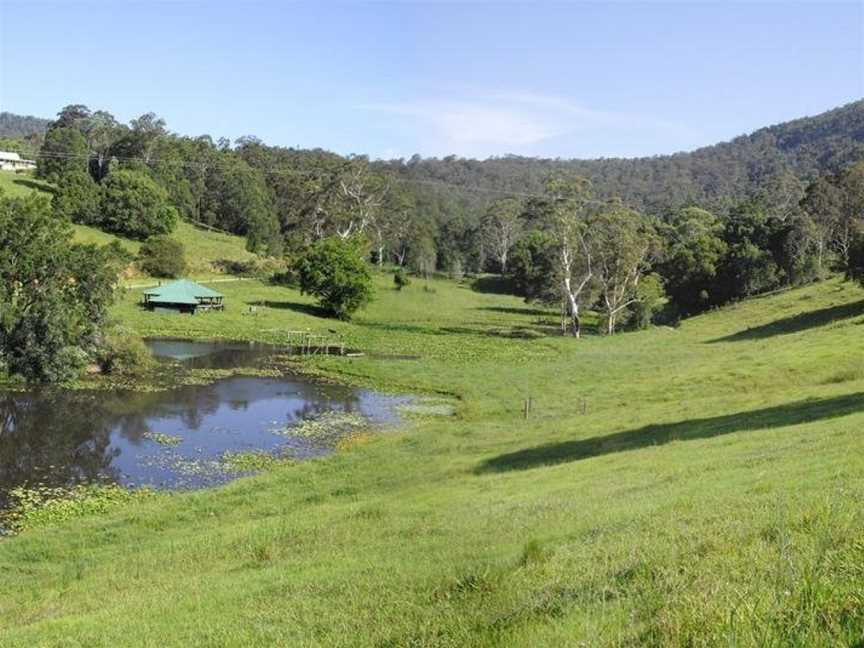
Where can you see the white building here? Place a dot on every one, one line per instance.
(14, 162)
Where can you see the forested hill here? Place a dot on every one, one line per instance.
(12, 125)
(769, 162)
(765, 162)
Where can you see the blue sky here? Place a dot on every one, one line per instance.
(472, 79)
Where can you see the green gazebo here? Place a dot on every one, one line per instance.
(183, 296)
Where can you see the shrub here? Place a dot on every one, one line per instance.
(77, 198)
(134, 205)
(456, 272)
(257, 267)
(400, 279)
(287, 277)
(162, 256)
(336, 272)
(650, 299)
(122, 351)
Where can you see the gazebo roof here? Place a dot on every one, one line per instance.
(182, 291)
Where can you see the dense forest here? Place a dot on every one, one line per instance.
(638, 240)
(716, 177)
(14, 126)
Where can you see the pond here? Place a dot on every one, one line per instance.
(181, 437)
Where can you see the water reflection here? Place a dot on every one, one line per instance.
(58, 437)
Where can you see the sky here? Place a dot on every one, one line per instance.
(478, 79)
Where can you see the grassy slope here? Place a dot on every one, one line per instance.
(202, 247)
(699, 485)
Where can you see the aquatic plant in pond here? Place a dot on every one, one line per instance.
(42, 505)
(163, 439)
(327, 428)
(251, 462)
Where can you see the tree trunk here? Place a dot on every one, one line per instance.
(572, 307)
(576, 323)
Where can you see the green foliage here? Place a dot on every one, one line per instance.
(64, 152)
(650, 299)
(336, 272)
(287, 277)
(54, 295)
(400, 279)
(237, 200)
(135, 206)
(122, 351)
(27, 148)
(162, 256)
(855, 265)
(749, 267)
(423, 257)
(623, 244)
(694, 250)
(532, 267)
(78, 198)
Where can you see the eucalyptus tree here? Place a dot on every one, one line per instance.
(501, 228)
(139, 140)
(823, 205)
(71, 116)
(360, 195)
(623, 245)
(566, 213)
(852, 210)
(100, 131)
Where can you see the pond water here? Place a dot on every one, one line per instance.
(177, 438)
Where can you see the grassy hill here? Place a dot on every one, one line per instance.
(690, 486)
(203, 247)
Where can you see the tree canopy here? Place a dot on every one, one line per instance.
(54, 295)
(335, 271)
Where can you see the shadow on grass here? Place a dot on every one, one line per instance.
(34, 184)
(514, 310)
(401, 328)
(493, 284)
(306, 309)
(516, 332)
(653, 435)
(796, 323)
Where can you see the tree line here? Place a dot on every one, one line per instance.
(569, 249)
(707, 247)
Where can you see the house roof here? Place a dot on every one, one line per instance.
(182, 291)
(6, 155)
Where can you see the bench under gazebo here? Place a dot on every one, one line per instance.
(183, 296)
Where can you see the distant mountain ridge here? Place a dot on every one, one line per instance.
(768, 162)
(12, 125)
(765, 162)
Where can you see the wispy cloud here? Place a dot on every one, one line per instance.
(506, 122)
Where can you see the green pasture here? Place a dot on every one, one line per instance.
(692, 486)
